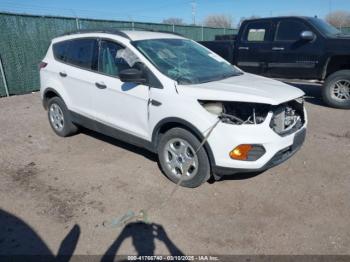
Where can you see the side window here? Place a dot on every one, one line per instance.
(110, 63)
(59, 50)
(289, 30)
(257, 32)
(83, 53)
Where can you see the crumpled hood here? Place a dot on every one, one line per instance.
(243, 88)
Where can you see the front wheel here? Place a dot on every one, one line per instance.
(180, 158)
(336, 90)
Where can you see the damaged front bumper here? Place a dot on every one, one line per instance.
(280, 157)
(278, 146)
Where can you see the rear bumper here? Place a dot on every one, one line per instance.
(280, 157)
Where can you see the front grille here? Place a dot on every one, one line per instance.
(288, 117)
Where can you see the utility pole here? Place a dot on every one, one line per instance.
(194, 7)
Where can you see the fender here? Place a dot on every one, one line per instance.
(178, 122)
(49, 89)
(325, 68)
(55, 86)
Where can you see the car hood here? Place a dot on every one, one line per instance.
(243, 88)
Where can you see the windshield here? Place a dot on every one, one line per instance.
(324, 27)
(185, 61)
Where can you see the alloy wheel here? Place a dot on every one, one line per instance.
(56, 117)
(181, 158)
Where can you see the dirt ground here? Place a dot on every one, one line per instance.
(55, 194)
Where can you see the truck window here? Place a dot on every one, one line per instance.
(256, 32)
(290, 30)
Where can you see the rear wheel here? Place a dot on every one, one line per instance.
(178, 157)
(336, 90)
(59, 118)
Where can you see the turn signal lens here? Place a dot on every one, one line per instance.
(241, 152)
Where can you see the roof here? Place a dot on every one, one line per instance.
(145, 35)
(279, 17)
(132, 35)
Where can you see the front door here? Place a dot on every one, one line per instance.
(254, 46)
(123, 106)
(291, 56)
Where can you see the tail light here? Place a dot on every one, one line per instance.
(42, 65)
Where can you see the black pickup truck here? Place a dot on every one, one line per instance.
(292, 48)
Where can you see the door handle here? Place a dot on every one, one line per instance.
(243, 48)
(278, 48)
(100, 85)
(63, 74)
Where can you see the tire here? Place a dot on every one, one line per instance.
(332, 97)
(59, 118)
(178, 147)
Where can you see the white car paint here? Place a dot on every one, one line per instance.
(125, 106)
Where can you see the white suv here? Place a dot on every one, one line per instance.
(165, 93)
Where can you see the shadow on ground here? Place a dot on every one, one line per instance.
(144, 152)
(20, 242)
(143, 238)
(18, 239)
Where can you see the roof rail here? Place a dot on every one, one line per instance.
(118, 32)
(101, 30)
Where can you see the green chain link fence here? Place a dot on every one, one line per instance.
(25, 39)
(2, 87)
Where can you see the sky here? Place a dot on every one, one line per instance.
(157, 10)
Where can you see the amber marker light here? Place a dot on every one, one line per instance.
(241, 152)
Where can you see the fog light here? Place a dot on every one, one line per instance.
(241, 152)
(247, 152)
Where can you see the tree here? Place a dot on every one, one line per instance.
(173, 21)
(219, 20)
(339, 18)
(247, 18)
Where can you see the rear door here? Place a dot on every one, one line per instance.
(80, 61)
(254, 46)
(292, 57)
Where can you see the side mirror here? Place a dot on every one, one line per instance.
(307, 35)
(132, 76)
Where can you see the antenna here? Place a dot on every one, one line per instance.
(194, 7)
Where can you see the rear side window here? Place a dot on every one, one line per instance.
(59, 50)
(257, 32)
(83, 53)
(290, 30)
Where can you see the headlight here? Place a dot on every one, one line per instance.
(216, 108)
(238, 113)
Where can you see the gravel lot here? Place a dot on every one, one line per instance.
(55, 194)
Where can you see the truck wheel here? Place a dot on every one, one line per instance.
(336, 90)
(177, 153)
(59, 118)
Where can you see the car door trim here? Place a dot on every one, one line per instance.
(249, 64)
(111, 131)
(307, 65)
